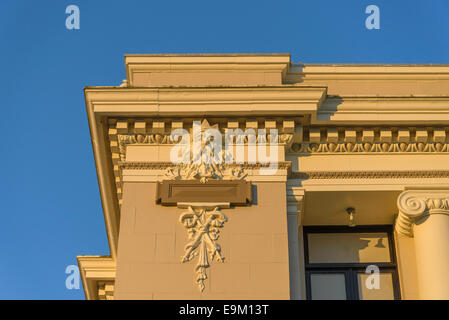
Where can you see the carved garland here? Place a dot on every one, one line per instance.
(203, 228)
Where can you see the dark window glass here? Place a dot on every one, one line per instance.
(350, 263)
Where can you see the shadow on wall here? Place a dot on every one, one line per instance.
(329, 107)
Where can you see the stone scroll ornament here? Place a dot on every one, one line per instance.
(416, 205)
(203, 228)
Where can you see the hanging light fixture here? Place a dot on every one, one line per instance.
(351, 212)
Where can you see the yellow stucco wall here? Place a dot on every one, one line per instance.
(253, 242)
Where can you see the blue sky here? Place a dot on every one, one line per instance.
(50, 206)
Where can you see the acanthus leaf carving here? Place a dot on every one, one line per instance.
(204, 172)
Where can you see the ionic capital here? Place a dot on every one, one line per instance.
(415, 205)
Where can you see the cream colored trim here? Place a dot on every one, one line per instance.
(169, 64)
(106, 180)
(95, 270)
(204, 205)
(105, 290)
(413, 72)
(295, 212)
(295, 200)
(415, 205)
(202, 102)
(370, 174)
(157, 171)
(131, 165)
(425, 109)
(368, 140)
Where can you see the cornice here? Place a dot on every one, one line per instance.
(179, 102)
(415, 205)
(387, 109)
(165, 70)
(97, 274)
(275, 101)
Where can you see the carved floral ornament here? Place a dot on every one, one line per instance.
(158, 139)
(204, 172)
(203, 228)
(372, 140)
(306, 146)
(326, 139)
(367, 147)
(203, 222)
(416, 205)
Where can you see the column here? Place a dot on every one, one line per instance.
(295, 205)
(424, 215)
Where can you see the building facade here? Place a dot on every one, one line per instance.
(247, 176)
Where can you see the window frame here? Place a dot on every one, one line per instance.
(350, 270)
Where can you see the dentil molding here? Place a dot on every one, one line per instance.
(106, 290)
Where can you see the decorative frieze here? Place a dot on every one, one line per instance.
(370, 174)
(124, 132)
(297, 139)
(372, 140)
(143, 165)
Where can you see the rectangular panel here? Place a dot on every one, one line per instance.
(371, 288)
(237, 192)
(348, 247)
(328, 286)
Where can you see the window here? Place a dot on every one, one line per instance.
(337, 258)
